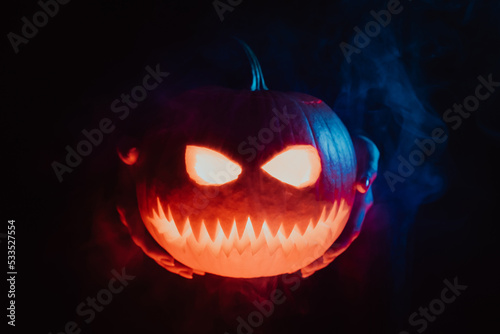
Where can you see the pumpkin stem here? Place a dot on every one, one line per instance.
(258, 78)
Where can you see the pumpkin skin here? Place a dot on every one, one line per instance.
(219, 228)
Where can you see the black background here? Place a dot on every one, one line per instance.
(65, 78)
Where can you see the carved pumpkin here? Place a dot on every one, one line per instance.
(245, 183)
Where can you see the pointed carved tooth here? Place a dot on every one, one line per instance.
(154, 215)
(169, 214)
(260, 241)
(161, 225)
(285, 243)
(249, 230)
(169, 231)
(329, 235)
(340, 219)
(344, 209)
(320, 234)
(297, 239)
(227, 245)
(191, 240)
(313, 237)
(156, 218)
(157, 223)
(332, 214)
(308, 231)
(232, 243)
(211, 225)
(216, 245)
(266, 233)
(281, 233)
(187, 231)
(204, 237)
(160, 214)
(164, 226)
(247, 238)
(322, 218)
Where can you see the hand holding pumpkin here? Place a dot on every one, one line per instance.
(201, 207)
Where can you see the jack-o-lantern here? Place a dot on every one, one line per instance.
(243, 183)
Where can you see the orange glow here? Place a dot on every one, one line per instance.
(234, 253)
(298, 165)
(208, 167)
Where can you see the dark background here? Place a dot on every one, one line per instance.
(441, 223)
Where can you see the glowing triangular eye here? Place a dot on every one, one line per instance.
(297, 165)
(209, 167)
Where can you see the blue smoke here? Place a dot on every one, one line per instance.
(380, 98)
(386, 91)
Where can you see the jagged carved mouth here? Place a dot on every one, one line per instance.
(240, 252)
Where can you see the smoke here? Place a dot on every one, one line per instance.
(380, 98)
(386, 91)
